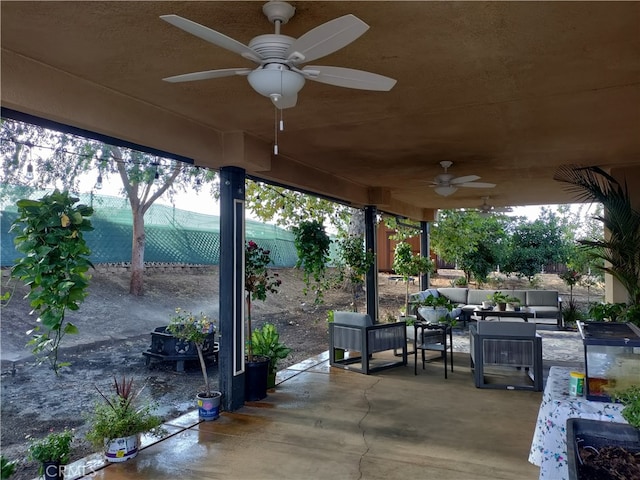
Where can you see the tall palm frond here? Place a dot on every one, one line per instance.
(620, 248)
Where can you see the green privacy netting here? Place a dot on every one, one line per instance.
(172, 235)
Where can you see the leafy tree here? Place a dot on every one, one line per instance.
(289, 208)
(535, 244)
(475, 243)
(406, 263)
(50, 234)
(357, 261)
(144, 177)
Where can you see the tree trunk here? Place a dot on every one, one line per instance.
(137, 254)
(355, 228)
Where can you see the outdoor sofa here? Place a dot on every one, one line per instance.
(545, 303)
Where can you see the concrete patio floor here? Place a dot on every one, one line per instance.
(323, 422)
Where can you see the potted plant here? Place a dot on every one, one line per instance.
(313, 248)
(266, 342)
(438, 308)
(196, 329)
(513, 304)
(571, 314)
(499, 299)
(258, 281)
(116, 424)
(52, 451)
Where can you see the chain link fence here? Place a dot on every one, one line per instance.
(172, 235)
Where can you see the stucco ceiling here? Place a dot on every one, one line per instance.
(505, 90)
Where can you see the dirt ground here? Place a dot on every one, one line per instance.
(114, 331)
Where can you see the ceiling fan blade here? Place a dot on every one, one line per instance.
(212, 36)
(465, 179)
(326, 38)
(285, 102)
(348, 77)
(208, 74)
(477, 185)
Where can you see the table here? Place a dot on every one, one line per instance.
(523, 314)
(549, 444)
(432, 336)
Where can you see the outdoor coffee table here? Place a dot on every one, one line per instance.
(523, 314)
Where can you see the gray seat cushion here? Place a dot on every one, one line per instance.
(476, 297)
(515, 329)
(457, 296)
(352, 319)
(548, 298)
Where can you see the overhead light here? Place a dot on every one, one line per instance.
(276, 81)
(445, 191)
(29, 174)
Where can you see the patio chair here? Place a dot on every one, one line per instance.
(514, 345)
(356, 333)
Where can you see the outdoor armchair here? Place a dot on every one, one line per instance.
(514, 347)
(356, 333)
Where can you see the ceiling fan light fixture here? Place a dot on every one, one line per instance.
(445, 190)
(276, 82)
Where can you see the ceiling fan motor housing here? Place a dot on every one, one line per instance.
(271, 46)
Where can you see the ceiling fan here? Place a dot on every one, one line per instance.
(446, 184)
(485, 209)
(279, 75)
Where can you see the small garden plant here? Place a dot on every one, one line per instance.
(630, 398)
(118, 416)
(266, 342)
(55, 447)
(193, 328)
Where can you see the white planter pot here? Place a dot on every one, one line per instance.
(121, 449)
(433, 315)
(208, 407)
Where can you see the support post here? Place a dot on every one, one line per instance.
(231, 312)
(370, 243)
(425, 247)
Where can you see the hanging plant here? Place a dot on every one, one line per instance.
(49, 232)
(312, 244)
(357, 261)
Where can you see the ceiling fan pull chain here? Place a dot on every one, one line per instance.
(275, 145)
(281, 121)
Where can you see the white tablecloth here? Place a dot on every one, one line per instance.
(549, 445)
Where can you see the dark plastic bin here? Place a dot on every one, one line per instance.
(598, 434)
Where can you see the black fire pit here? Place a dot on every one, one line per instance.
(167, 348)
